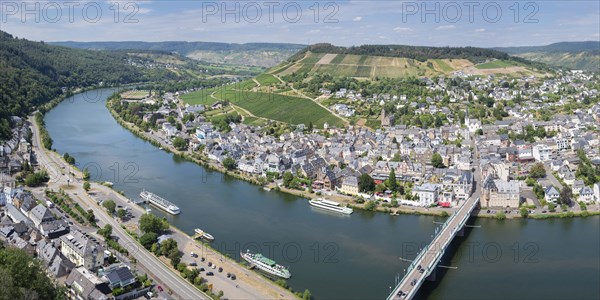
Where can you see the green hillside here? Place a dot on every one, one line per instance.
(250, 54)
(33, 73)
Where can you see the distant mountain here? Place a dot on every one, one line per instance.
(255, 54)
(570, 55)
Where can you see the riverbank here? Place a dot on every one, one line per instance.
(212, 166)
(342, 199)
(249, 286)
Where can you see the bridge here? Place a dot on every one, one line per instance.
(425, 264)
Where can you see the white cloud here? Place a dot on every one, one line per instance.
(445, 27)
(480, 30)
(402, 29)
(357, 19)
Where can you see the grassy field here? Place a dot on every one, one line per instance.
(199, 97)
(293, 110)
(267, 79)
(135, 95)
(496, 64)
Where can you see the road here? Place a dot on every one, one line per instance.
(426, 262)
(249, 284)
(55, 164)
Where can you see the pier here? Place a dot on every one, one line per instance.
(425, 264)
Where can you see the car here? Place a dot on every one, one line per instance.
(201, 269)
(159, 288)
(419, 267)
(193, 264)
(488, 211)
(209, 263)
(233, 277)
(422, 270)
(210, 273)
(228, 274)
(202, 259)
(220, 269)
(543, 211)
(214, 266)
(400, 293)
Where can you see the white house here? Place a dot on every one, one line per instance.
(597, 192)
(542, 152)
(586, 194)
(551, 194)
(428, 194)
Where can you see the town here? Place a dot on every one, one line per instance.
(529, 161)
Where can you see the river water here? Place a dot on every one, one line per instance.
(335, 257)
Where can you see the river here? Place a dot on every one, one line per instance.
(335, 257)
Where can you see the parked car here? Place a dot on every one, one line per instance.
(220, 269)
(210, 273)
(193, 264)
(201, 269)
(159, 288)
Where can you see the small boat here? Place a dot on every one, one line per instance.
(205, 235)
(331, 206)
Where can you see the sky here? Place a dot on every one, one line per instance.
(345, 23)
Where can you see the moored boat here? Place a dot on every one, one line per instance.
(266, 264)
(160, 202)
(205, 235)
(331, 206)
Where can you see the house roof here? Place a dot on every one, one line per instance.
(121, 274)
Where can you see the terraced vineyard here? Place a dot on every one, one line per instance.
(364, 66)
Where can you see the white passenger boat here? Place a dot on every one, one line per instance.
(331, 206)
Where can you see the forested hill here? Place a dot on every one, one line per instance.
(33, 73)
(570, 55)
(420, 53)
(572, 47)
(181, 47)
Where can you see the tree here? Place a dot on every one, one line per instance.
(24, 277)
(437, 161)
(174, 256)
(229, 163)
(392, 183)
(565, 195)
(86, 186)
(371, 205)
(537, 171)
(90, 216)
(69, 159)
(110, 206)
(121, 213)
(306, 295)
(36, 179)
(524, 212)
(288, 177)
(148, 239)
(179, 143)
(366, 183)
(152, 223)
(106, 231)
(86, 174)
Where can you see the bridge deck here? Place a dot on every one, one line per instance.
(427, 260)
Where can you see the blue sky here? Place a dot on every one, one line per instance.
(432, 23)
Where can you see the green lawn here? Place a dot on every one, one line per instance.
(496, 64)
(267, 79)
(288, 109)
(199, 97)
